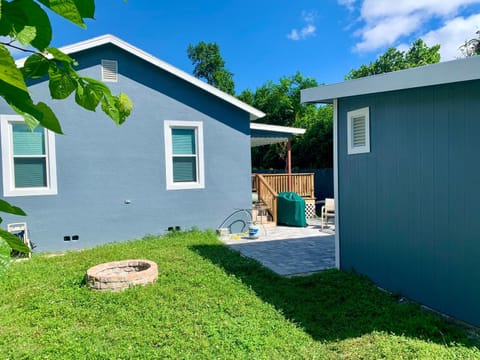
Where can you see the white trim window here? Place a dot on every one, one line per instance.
(358, 130)
(184, 155)
(28, 158)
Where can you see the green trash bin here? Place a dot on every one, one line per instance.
(291, 209)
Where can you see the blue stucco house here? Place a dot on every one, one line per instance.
(407, 181)
(182, 159)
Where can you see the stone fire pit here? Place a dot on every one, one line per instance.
(119, 275)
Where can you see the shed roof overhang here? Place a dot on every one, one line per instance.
(436, 74)
(264, 134)
(110, 39)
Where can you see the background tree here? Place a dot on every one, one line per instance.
(472, 46)
(419, 54)
(25, 22)
(281, 104)
(210, 66)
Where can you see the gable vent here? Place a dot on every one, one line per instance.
(359, 131)
(109, 70)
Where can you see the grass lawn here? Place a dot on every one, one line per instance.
(209, 303)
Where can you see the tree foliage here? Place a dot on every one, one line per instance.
(471, 47)
(393, 59)
(210, 66)
(27, 27)
(281, 104)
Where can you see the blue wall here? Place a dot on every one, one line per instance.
(100, 165)
(409, 209)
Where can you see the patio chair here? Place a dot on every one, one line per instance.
(328, 210)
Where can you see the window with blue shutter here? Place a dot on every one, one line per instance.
(184, 154)
(28, 158)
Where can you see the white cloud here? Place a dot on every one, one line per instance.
(452, 35)
(372, 9)
(349, 4)
(387, 32)
(306, 31)
(389, 23)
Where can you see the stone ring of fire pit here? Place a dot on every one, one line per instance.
(119, 275)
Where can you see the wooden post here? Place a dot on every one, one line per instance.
(289, 163)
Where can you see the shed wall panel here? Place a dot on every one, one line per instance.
(409, 209)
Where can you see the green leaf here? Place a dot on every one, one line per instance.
(125, 106)
(118, 108)
(34, 115)
(10, 209)
(60, 56)
(30, 120)
(9, 73)
(72, 10)
(36, 66)
(109, 107)
(49, 120)
(27, 35)
(86, 8)
(61, 83)
(88, 96)
(19, 100)
(27, 22)
(14, 242)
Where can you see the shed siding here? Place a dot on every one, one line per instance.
(410, 208)
(100, 165)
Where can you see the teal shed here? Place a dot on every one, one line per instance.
(407, 181)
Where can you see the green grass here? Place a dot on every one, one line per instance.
(209, 302)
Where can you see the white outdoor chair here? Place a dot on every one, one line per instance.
(328, 210)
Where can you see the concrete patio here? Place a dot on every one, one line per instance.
(289, 251)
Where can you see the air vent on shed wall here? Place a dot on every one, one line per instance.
(358, 131)
(109, 70)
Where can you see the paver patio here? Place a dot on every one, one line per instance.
(290, 250)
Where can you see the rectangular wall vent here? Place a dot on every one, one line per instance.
(109, 70)
(359, 131)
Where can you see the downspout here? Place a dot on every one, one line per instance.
(335, 182)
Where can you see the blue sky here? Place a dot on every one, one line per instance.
(264, 39)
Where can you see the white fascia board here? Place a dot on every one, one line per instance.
(111, 39)
(429, 75)
(277, 128)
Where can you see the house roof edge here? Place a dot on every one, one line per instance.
(111, 39)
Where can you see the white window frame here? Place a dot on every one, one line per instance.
(365, 113)
(8, 171)
(198, 127)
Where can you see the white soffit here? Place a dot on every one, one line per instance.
(111, 39)
(277, 128)
(261, 141)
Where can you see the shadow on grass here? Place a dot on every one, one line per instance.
(334, 304)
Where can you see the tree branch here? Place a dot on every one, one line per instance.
(18, 47)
